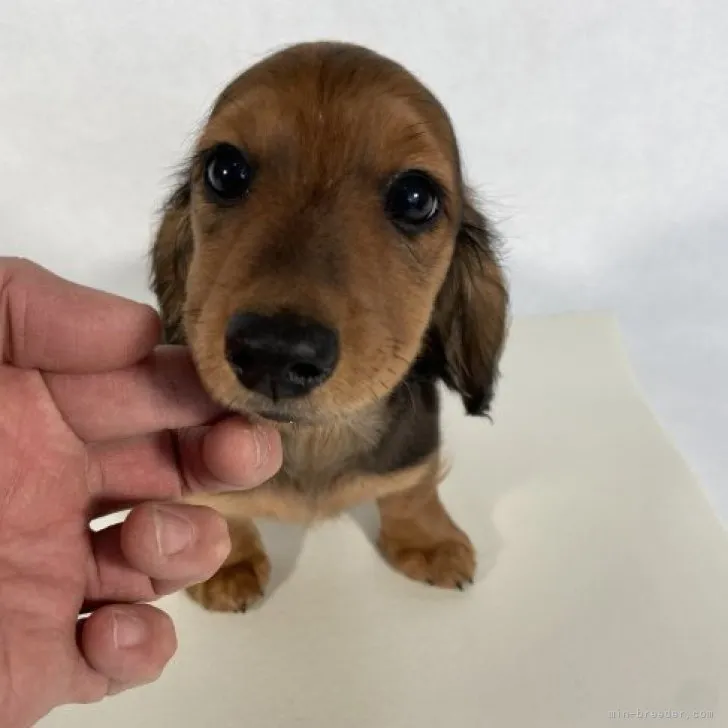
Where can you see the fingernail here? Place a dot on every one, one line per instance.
(128, 630)
(174, 532)
(261, 448)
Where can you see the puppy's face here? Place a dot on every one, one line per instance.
(324, 205)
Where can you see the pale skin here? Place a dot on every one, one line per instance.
(88, 401)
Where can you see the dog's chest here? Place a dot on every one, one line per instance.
(315, 458)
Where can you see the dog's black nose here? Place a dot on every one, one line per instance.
(280, 356)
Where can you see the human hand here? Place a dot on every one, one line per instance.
(88, 410)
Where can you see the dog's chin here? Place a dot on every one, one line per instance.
(298, 412)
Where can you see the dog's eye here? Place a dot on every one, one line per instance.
(227, 173)
(413, 199)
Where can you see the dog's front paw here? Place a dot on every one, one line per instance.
(449, 563)
(234, 588)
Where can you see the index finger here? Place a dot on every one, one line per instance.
(232, 455)
(163, 391)
(52, 324)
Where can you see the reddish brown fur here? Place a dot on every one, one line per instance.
(327, 125)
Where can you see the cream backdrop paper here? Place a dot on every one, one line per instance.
(603, 584)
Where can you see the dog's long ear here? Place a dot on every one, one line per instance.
(470, 318)
(170, 259)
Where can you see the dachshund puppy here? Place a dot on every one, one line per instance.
(327, 266)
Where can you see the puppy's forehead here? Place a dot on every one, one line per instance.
(339, 102)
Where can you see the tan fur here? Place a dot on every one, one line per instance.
(278, 501)
(285, 248)
(327, 126)
(413, 522)
(242, 579)
(419, 538)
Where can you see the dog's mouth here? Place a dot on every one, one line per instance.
(279, 417)
(281, 414)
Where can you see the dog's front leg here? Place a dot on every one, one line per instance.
(419, 538)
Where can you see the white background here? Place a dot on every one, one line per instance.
(596, 129)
